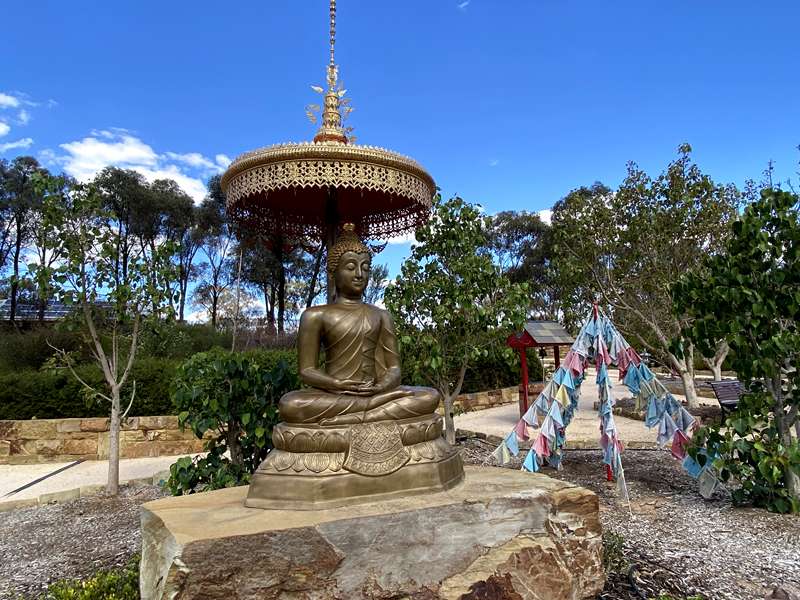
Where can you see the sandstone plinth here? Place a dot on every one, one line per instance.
(501, 534)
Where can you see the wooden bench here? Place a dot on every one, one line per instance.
(728, 394)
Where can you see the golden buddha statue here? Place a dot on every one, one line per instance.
(355, 434)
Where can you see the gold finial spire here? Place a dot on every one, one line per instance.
(331, 129)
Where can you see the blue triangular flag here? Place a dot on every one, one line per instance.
(666, 430)
(530, 464)
(654, 410)
(684, 420)
(558, 376)
(530, 415)
(602, 373)
(511, 443)
(566, 380)
(542, 404)
(591, 326)
(555, 414)
(632, 379)
(554, 460)
(645, 373)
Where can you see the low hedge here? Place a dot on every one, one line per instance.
(29, 393)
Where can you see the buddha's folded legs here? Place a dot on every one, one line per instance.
(318, 406)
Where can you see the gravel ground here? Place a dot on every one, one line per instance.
(677, 542)
(71, 540)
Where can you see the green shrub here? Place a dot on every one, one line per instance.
(500, 368)
(614, 560)
(268, 359)
(236, 398)
(48, 394)
(29, 349)
(57, 394)
(115, 584)
(750, 455)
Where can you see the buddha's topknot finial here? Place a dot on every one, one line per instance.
(348, 241)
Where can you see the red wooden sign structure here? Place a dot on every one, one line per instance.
(537, 334)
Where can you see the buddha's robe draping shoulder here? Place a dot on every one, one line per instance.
(354, 342)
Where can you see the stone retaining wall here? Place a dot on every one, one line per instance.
(65, 440)
(484, 400)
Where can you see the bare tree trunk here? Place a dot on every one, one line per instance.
(715, 363)
(234, 446)
(784, 429)
(688, 388)
(449, 424)
(685, 368)
(278, 252)
(273, 295)
(112, 486)
(15, 279)
(315, 275)
(238, 298)
(449, 398)
(182, 299)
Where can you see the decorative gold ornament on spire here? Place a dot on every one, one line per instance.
(331, 129)
(308, 190)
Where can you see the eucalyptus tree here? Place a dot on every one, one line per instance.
(626, 248)
(20, 197)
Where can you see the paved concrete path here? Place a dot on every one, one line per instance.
(83, 475)
(583, 431)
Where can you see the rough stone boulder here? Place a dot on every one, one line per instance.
(500, 535)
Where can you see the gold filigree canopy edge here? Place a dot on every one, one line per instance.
(325, 151)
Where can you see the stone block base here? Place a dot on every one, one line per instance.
(501, 535)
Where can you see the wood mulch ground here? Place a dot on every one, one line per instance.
(676, 543)
(72, 540)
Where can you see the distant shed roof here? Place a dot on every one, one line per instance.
(548, 333)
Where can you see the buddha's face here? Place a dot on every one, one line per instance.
(352, 274)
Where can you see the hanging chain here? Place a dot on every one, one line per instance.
(333, 28)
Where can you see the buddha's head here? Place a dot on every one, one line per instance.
(349, 260)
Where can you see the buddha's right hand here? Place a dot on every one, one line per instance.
(354, 387)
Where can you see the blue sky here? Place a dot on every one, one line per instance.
(508, 103)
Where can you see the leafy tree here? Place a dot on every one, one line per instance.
(123, 192)
(522, 245)
(626, 248)
(51, 194)
(450, 302)
(20, 193)
(217, 271)
(89, 270)
(749, 296)
(376, 286)
(6, 214)
(235, 399)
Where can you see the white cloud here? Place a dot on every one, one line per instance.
(24, 117)
(546, 215)
(494, 162)
(223, 160)
(4, 129)
(463, 5)
(23, 143)
(405, 238)
(120, 148)
(193, 159)
(8, 101)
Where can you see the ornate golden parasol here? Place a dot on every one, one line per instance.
(307, 190)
